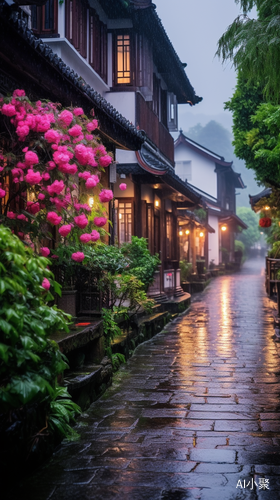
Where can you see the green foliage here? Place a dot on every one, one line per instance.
(239, 247)
(254, 45)
(186, 269)
(117, 360)
(29, 361)
(99, 258)
(63, 412)
(244, 104)
(141, 263)
(275, 251)
(110, 326)
(251, 235)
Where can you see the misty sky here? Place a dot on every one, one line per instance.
(194, 27)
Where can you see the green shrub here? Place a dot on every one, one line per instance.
(29, 361)
(186, 269)
(142, 264)
(275, 250)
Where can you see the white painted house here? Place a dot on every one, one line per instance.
(215, 180)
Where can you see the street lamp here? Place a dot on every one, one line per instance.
(224, 228)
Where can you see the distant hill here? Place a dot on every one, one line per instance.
(218, 139)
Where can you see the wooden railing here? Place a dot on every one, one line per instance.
(147, 120)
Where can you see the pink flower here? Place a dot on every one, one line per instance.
(53, 218)
(78, 256)
(56, 187)
(89, 137)
(92, 125)
(41, 196)
(92, 181)
(75, 131)
(33, 177)
(2, 193)
(84, 175)
(18, 93)
(106, 195)
(45, 251)
(85, 238)
(22, 217)
(104, 161)
(32, 208)
(65, 230)
(67, 168)
(51, 165)
(11, 215)
(65, 118)
(81, 221)
(46, 284)
(52, 136)
(100, 221)
(122, 186)
(78, 111)
(54, 256)
(31, 158)
(20, 235)
(8, 110)
(95, 235)
(22, 131)
(46, 176)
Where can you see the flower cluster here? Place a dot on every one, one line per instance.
(55, 162)
(265, 222)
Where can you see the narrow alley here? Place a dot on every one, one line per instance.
(194, 414)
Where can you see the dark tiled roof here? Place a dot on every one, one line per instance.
(265, 193)
(11, 15)
(166, 58)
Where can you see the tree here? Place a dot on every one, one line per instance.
(254, 45)
(214, 137)
(251, 235)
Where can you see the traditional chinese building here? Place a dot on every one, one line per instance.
(215, 180)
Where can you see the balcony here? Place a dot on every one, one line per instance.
(147, 120)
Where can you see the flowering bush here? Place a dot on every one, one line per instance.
(49, 167)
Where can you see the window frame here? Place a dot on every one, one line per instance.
(40, 18)
(132, 59)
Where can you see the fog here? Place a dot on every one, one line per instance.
(194, 27)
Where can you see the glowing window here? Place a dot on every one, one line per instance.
(123, 59)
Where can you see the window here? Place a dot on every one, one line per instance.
(150, 226)
(124, 222)
(98, 45)
(76, 25)
(172, 112)
(168, 236)
(123, 59)
(44, 19)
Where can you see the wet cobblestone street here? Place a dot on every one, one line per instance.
(193, 414)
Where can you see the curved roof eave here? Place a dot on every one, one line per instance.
(148, 21)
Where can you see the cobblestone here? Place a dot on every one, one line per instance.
(192, 415)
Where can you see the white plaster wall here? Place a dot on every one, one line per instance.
(147, 193)
(213, 239)
(124, 102)
(123, 156)
(74, 60)
(204, 176)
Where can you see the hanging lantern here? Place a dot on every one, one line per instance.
(265, 222)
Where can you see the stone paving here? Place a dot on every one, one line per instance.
(194, 414)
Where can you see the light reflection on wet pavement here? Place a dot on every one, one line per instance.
(193, 414)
